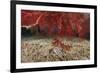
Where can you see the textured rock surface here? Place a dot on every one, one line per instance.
(37, 49)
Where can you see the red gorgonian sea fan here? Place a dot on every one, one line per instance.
(60, 23)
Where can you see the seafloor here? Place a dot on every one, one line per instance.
(41, 49)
